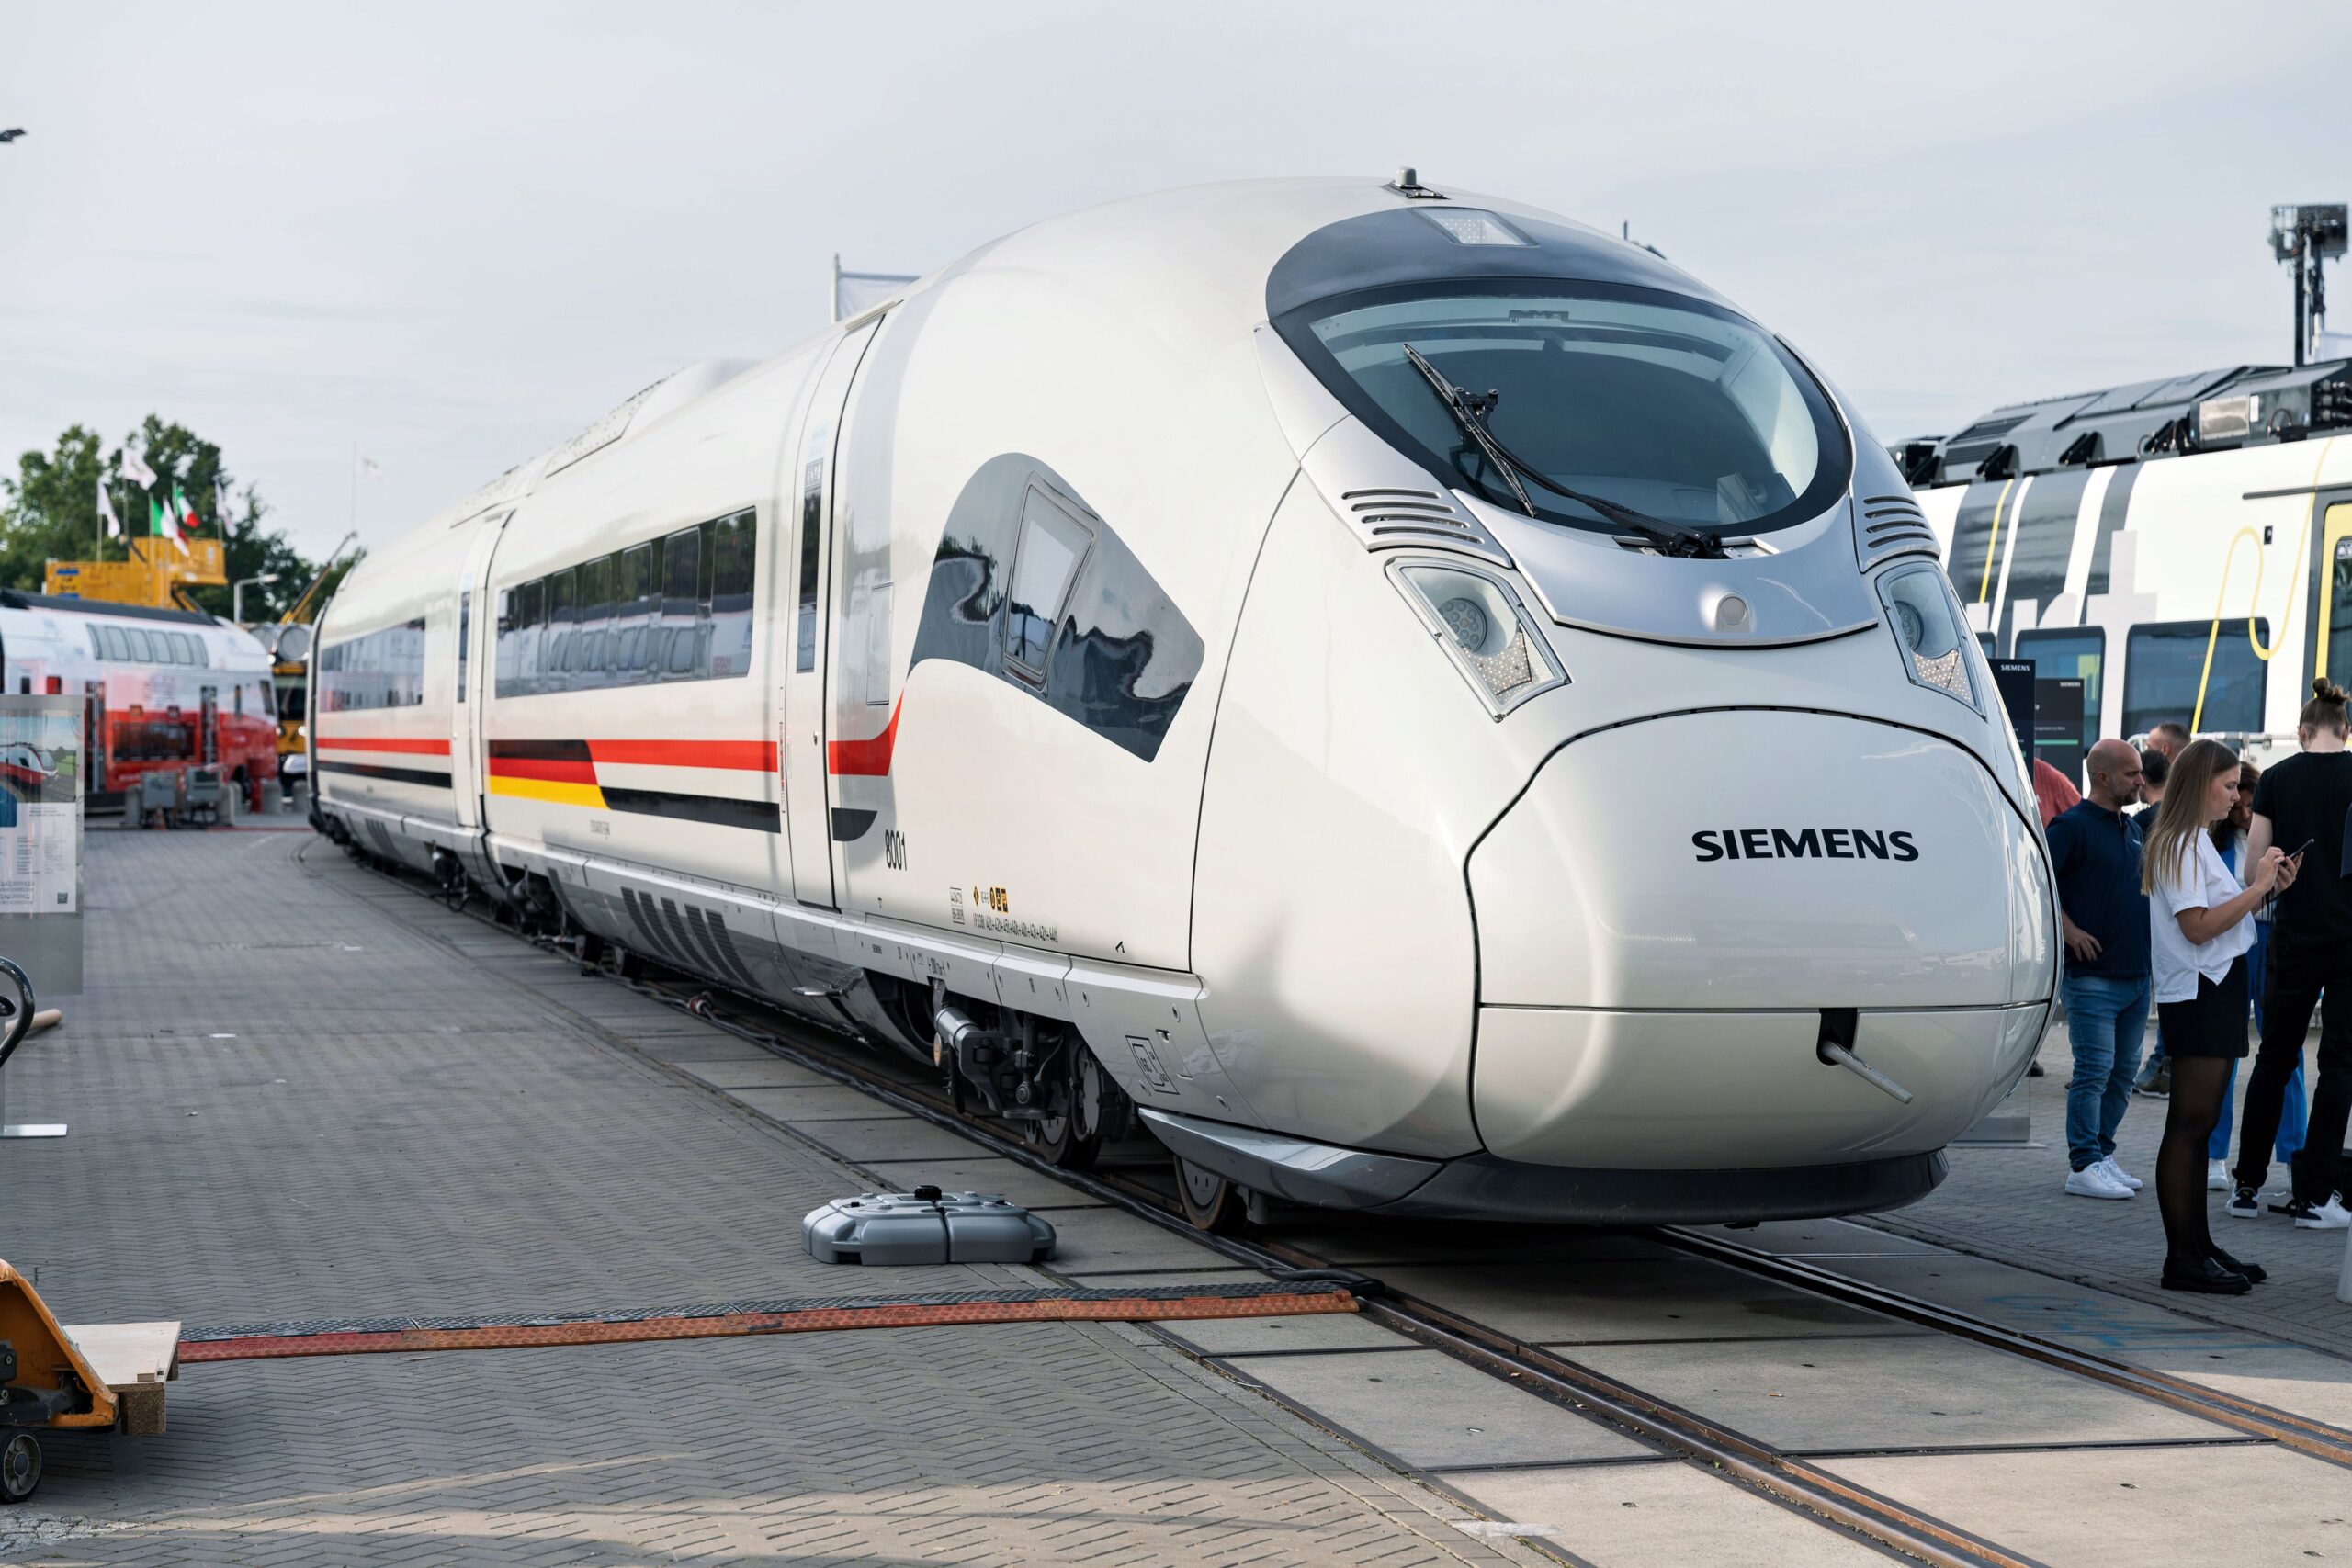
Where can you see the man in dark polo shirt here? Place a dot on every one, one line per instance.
(2095, 850)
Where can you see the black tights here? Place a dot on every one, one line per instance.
(2197, 1083)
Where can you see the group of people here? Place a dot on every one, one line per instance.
(2197, 884)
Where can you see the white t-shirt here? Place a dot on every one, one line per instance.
(2197, 881)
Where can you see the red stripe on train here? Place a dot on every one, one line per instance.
(547, 768)
(747, 756)
(415, 748)
(864, 759)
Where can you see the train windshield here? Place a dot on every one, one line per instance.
(1671, 407)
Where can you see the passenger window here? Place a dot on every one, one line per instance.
(681, 552)
(118, 644)
(183, 649)
(637, 599)
(2068, 664)
(563, 614)
(97, 643)
(203, 652)
(2164, 664)
(731, 569)
(140, 648)
(2339, 611)
(1044, 563)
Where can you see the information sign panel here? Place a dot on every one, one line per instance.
(42, 755)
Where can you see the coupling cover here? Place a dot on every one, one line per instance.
(925, 1226)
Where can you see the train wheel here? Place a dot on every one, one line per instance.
(1210, 1201)
(19, 1466)
(1072, 1136)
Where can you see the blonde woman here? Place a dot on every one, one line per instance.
(2200, 926)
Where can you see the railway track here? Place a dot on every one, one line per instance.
(1737, 1457)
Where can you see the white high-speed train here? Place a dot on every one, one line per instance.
(1421, 700)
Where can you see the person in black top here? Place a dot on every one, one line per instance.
(2300, 801)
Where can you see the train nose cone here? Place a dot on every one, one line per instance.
(1665, 913)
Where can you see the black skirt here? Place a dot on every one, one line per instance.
(2214, 1022)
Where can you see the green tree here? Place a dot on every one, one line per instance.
(50, 511)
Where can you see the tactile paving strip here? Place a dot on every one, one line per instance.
(256, 1341)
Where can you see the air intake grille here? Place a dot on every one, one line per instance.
(1391, 518)
(1889, 525)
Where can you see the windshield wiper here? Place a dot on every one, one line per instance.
(1471, 413)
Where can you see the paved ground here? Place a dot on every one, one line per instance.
(289, 1100)
(2012, 1204)
(307, 1090)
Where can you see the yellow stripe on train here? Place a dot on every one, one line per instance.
(555, 790)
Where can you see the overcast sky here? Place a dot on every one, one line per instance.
(453, 233)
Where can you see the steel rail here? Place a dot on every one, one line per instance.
(2319, 1439)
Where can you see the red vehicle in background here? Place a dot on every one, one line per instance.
(160, 689)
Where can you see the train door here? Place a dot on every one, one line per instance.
(208, 724)
(475, 617)
(812, 502)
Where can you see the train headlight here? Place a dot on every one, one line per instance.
(1928, 628)
(1482, 625)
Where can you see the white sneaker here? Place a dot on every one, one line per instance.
(2329, 1216)
(2117, 1173)
(2093, 1181)
(2217, 1176)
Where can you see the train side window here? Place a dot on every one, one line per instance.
(118, 644)
(183, 648)
(595, 611)
(530, 613)
(2164, 665)
(2340, 609)
(734, 547)
(1044, 563)
(140, 648)
(563, 614)
(203, 652)
(682, 577)
(97, 643)
(636, 599)
(2068, 664)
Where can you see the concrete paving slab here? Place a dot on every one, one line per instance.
(1644, 1515)
(1093, 1240)
(886, 1137)
(814, 1102)
(1431, 1412)
(738, 1072)
(707, 1046)
(1930, 1392)
(2250, 1505)
(1818, 1239)
(1365, 1240)
(1166, 1277)
(1248, 1337)
(986, 1173)
(1673, 1298)
(2071, 1314)
(2308, 1383)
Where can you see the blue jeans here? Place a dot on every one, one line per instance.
(2106, 1020)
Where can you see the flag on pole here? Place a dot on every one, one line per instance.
(184, 518)
(220, 507)
(106, 510)
(162, 523)
(369, 467)
(135, 469)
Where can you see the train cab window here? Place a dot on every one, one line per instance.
(2164, 667)
(2068, 664)
(97, 643)
(1044, 563)
(203, 652)
(681, 588)
(118, 644)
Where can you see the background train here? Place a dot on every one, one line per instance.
(1418, 702)
(2175, 549)
(161, 688)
